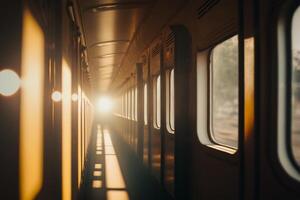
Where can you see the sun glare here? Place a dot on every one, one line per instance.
(105, 104)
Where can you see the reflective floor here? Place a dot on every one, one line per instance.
(114, 173)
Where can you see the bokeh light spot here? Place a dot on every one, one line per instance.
(9, 82)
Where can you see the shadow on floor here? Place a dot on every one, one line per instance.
(114, 172)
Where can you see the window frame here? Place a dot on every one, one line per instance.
(125, 105)
(202, 87)
(169, 127)
(155, 98)
(132, 104)
(145, 104)
(284, 69)
(210, 132)
(135, 103)
(129, 104)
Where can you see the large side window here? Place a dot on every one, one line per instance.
(132, 104)
(295, 84)
(125, 105)
(288, 90)
(135, 103)
(223, 97)
(170, 109)
(157, 107)
(129, 104)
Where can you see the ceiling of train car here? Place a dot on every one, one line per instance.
(109, 26)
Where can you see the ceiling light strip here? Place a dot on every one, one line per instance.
(107, 43)
(117, 6)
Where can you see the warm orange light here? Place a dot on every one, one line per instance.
(120, 195)
(109, 150)
(249, 86)
(97, 173)
(97, 184)
(56, 96)
(107, 139)
(98, 166)
(31, 107)
(9, 82)
(66, 131)
(114, 177)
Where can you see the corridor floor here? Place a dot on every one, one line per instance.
(114, 173)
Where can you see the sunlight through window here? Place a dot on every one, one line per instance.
(97, 184)
(119, 195)
(105, 104)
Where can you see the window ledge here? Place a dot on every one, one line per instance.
(222, 148)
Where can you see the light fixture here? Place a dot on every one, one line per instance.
(110, 42)
(56, 96)
(9, 82)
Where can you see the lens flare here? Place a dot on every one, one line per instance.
(74, 97)
(105, 104)
(56, 96)
(9, 82)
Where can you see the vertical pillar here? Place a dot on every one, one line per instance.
(140, 110)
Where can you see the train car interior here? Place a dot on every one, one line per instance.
(150, 99)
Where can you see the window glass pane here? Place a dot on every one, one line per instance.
(295, 123)
(132, 104)
(224, 93)
(145, 105)
(135, 108)
(172, 106)
(129, 104)
(126, 105)
(122, 105)
(154, 103)
(158, 102)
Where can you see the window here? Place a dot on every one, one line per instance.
(122, 106)
(288, 90)
(132, 104)
(125, 105)
(129, 104)
(295, 87)
(136, 99)
(170, 102)
(224, 93)
(157, 103)
(145, 105)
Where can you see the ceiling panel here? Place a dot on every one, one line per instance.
(109, 26)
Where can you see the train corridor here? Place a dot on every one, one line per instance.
(149, 99)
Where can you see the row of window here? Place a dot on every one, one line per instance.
(170, 101)
(223, 94)
(223, 84)
(128, 103)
